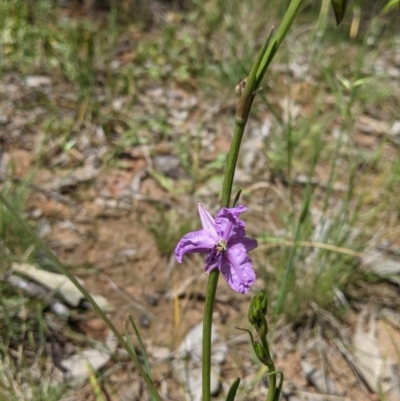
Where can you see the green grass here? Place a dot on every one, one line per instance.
(168, 228)
(13, 239)
(310, 274)
(24, 372)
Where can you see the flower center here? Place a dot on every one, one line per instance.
(216, 253)
(221, 246)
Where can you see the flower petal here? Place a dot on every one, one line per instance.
(207, 221)
(237, 269)
(228, 224)
(248, 243)
(197, 241)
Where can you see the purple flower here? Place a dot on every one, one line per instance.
(224, 240)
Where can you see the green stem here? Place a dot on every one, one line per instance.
(271, 368)
(231, 164)
(246, 100)
(207, 326)
(288, 273)
(278, 38)
(257, 72)
(242, 114)
(290, 267)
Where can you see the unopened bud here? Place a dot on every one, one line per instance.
(258, 306)
(339, 7)
(261, 353)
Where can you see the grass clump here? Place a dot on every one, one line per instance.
(13, 239)
(168, 227)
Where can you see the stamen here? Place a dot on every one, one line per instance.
(220, 248)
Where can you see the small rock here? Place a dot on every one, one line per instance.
(4, 162)
(111, 204)
(128, 253)
(187, 365)
(160, 352)
(168, 164)
(144, 321)
(3, 119)
(394, 132)
(152, 299)
(322, 383)
(35, 213)
(34, 81)
(43, 228)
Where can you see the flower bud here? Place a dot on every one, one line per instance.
(260, 301)
(261, 353)
(258, 309)
(339, 7)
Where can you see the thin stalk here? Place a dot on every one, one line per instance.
(288, 272)
(242, 114)
(278, 38)
(207, 326)
(290, 267)
(257, 72)
(271, 368)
